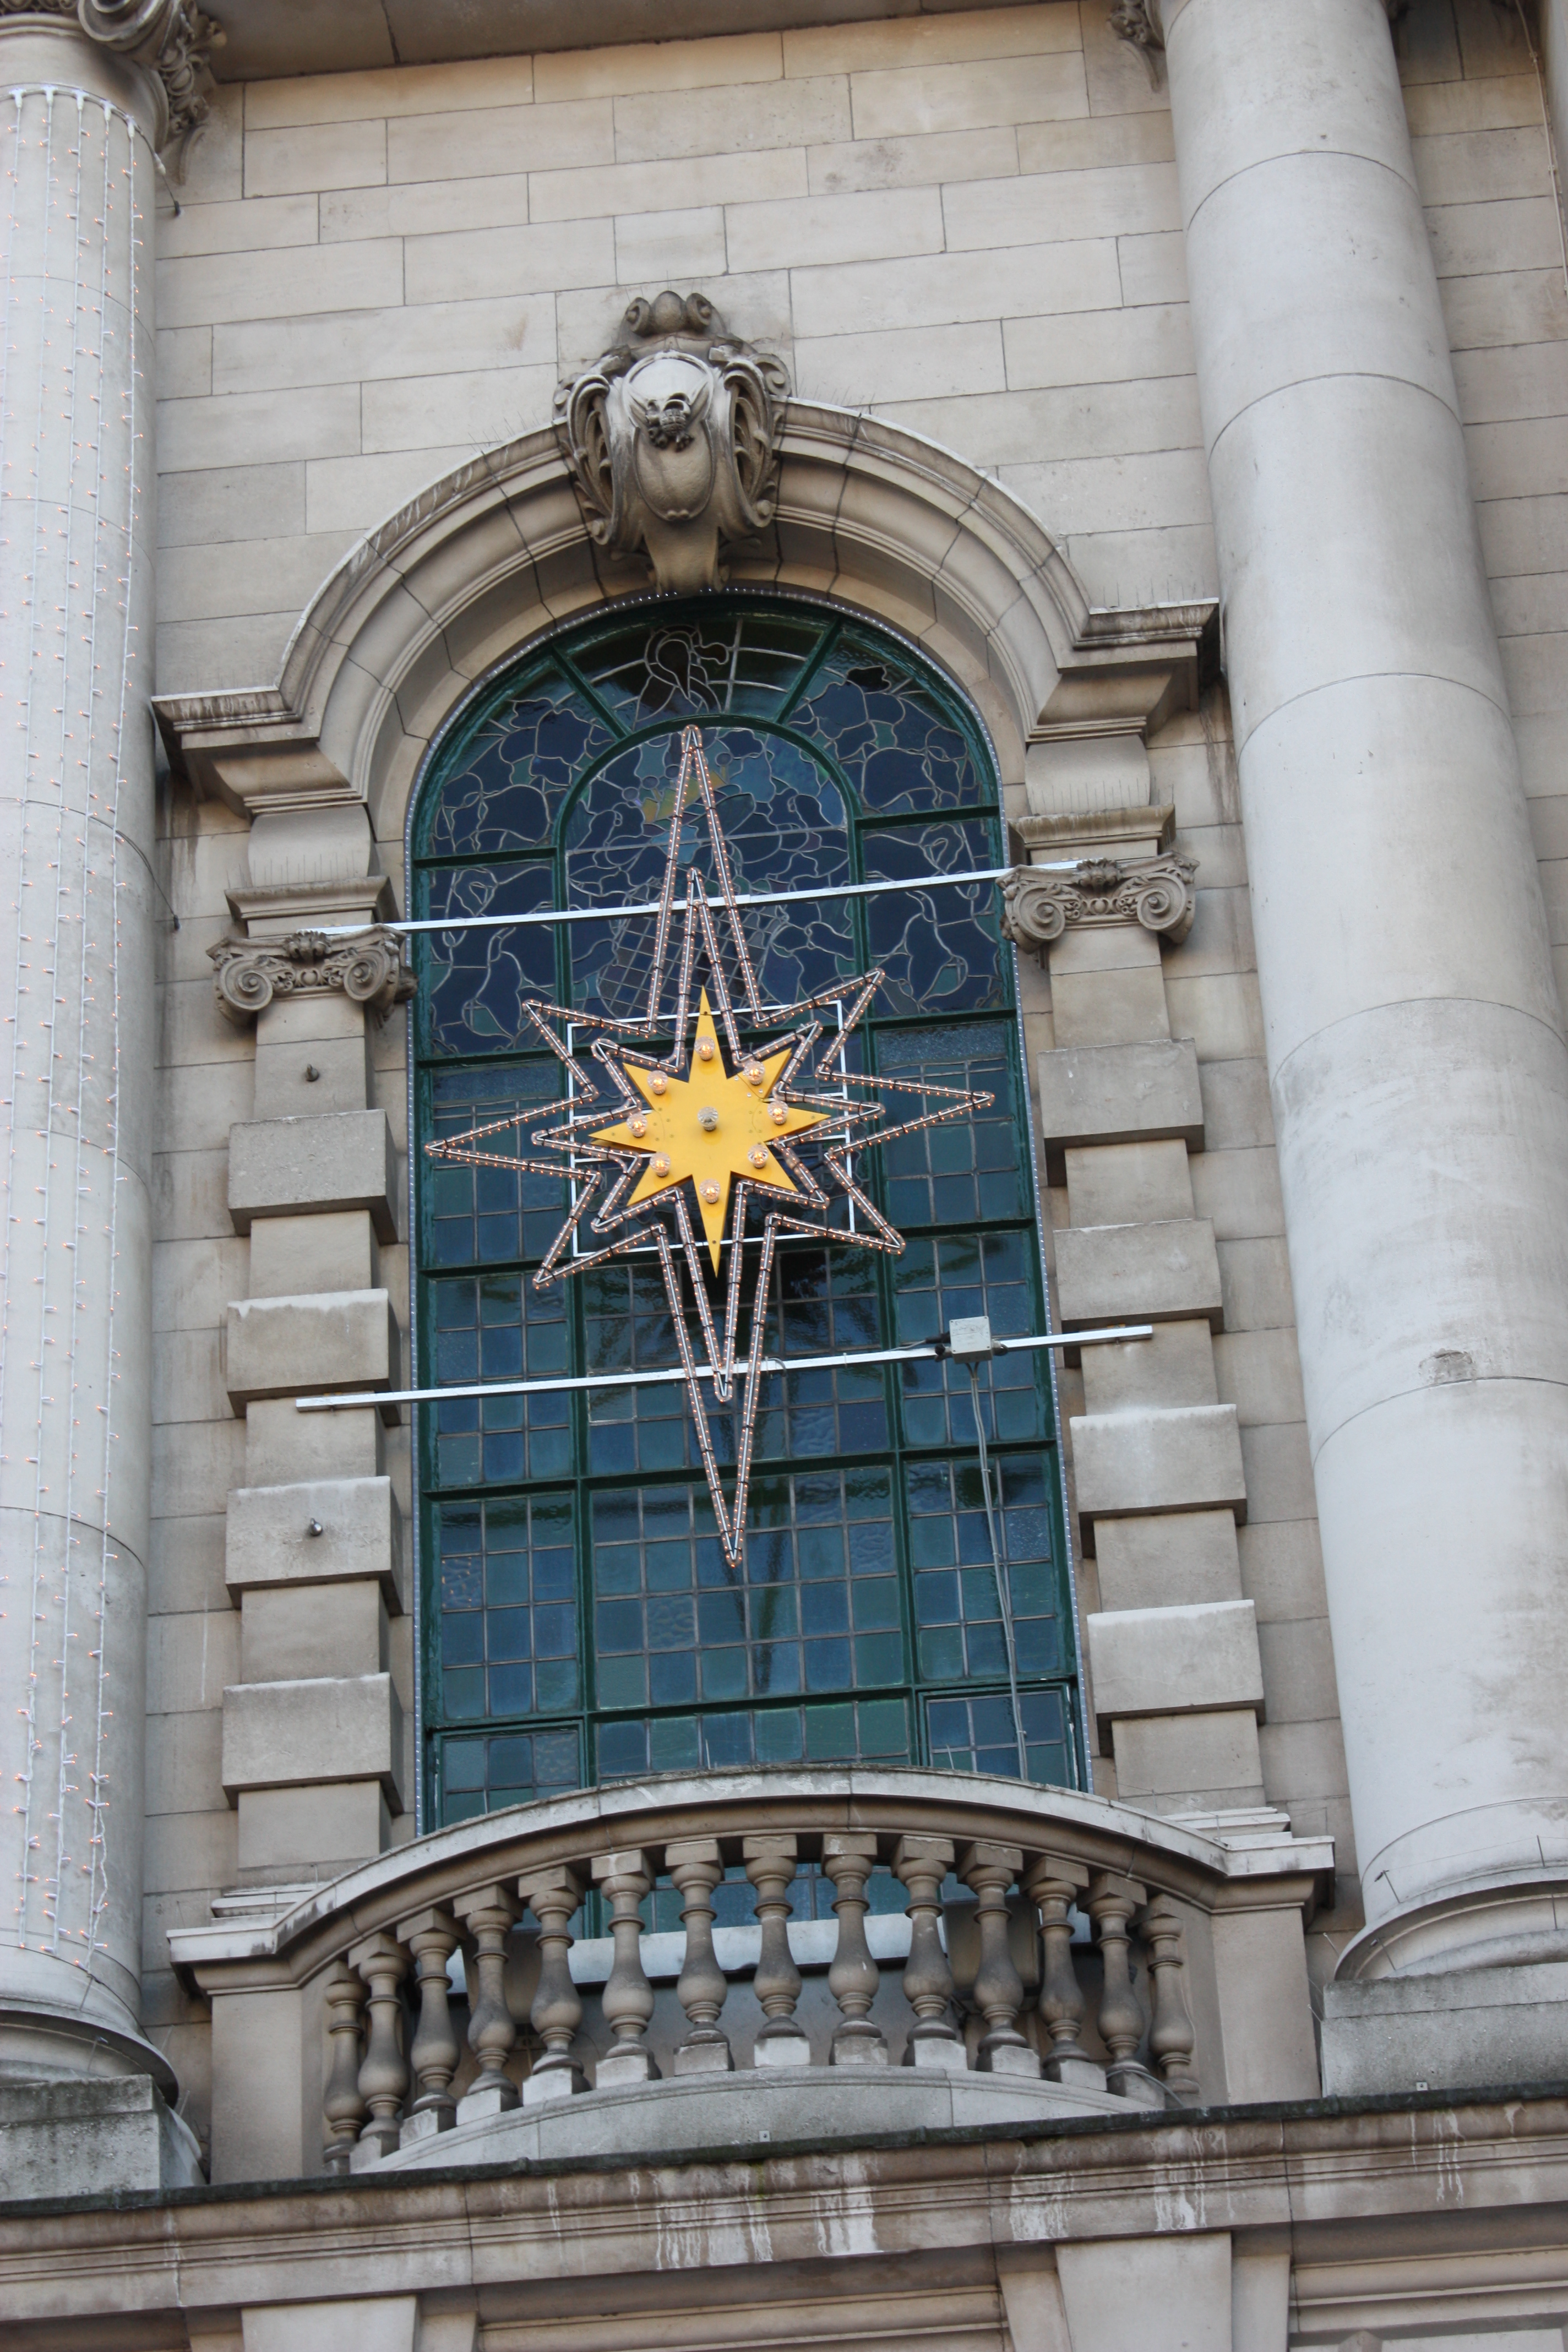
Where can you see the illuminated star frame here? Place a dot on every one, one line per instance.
(720, 1130)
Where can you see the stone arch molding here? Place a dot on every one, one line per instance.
(499, 550)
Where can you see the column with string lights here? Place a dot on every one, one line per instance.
(79, 125)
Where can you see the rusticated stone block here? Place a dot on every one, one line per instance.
(1120, 1094)
(338, 1159)
(332, 1728)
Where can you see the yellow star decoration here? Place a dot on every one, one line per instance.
(713, 1130)
(728, 1124)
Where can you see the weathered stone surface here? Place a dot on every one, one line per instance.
(1163, 1660)
(1147, 1273)
(315, 1532)
(344, 1340)
(337, 1160)
(92, 2138)
(1122, 1094)
(278, 1735)
(1181, 1457)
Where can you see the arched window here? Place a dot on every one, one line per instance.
(580, 1622)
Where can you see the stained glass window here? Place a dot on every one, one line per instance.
(581, 1621)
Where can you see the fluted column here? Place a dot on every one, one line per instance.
(1419, 1076)
(76, 1037)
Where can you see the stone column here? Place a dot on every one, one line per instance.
(1414, 1040)
(78, 126)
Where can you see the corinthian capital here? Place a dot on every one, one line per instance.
(368, 968)
(173, 38)
(1157, 892)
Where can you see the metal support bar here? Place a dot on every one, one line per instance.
(756, 898)
(705, 1371)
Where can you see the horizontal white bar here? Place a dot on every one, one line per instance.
(706, 1372)
(679, 906)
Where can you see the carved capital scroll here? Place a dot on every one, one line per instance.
(368, 968)
(173, 38)
(672, 437)
(1157, 892)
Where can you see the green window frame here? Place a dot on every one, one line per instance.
(575, 1622)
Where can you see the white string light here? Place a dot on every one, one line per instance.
(56, 598)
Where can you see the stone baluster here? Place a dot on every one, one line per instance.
(489, 1914)
(557, 2011)
(853, 1978)
(382, 1962)
(1171, 2036)
(432, 1937)
(1054, 1885)
(697, 1866)
(1112, 1903)
(342, 2107)
(998, 1992)
(770, 1866)
(923, 1862)
(626, 1878)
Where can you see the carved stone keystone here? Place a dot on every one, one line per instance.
(672, 437)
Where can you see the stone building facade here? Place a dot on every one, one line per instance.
(930, 637)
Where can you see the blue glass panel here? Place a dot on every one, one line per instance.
(748, 660)
(954, 1275)
(483, 1214)
(474, 981)
(974, 1733)
(506, 1586)
(866, 1730)
(972, 1171)
(517, 771)
(480, 1775)
(785, 823)
(940, 947)
(498, 1326)
(899, 749)
(957, 1620)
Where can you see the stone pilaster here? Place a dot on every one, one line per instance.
(1173, 1667)
(312, 1734)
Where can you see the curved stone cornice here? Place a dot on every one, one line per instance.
(1156, 892)
(368, 968)
(499, 550)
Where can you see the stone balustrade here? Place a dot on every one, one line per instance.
(991, 1953)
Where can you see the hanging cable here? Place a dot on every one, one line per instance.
(1004, 1587)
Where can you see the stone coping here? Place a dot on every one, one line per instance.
(1264, 1861)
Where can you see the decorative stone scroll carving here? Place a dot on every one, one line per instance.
(368, 968)
(1137, 22)
(672, 437)
(173, 38)
(1039, 906)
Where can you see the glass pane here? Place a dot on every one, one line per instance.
(954, 1274)
(873, 1731)
(480, 1775)
(473, 983)
(970, 1172)
(958, 1622)
(824, 1302)
(940, 947)
(516, 771)
(498, 1326)
(899, 749)
(478, 1214)
(505, 1581)
(748, 660)
(974, 1733)
(785, 823)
